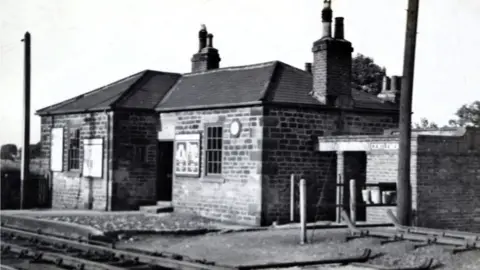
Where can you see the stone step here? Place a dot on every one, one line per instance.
(155, 209)
(165, 203)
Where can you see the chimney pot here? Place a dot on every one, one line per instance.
(308, 67)
(202, 37)
(210, 40)
(339, 29)
(327, 14)
(396, 83)
(386, 83)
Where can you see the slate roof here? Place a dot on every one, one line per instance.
(142, 90)
(271, 82)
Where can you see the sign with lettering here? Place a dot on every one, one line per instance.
(355, 146)
(187, 154)
(384, 146)
(56, 150)
(93, 157)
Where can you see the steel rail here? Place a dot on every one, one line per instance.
(423, 230)
(399, 235)
(57, 258)
(135, 256)
(345, 260)
(425, 265)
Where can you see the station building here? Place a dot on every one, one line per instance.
(221, 142)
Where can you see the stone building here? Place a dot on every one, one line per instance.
(221, 142)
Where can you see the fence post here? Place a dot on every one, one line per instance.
(353, 201)
(292, 198)
(303, 211)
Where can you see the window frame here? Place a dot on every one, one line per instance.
(213, 150)
(74, 150)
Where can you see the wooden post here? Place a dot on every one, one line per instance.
(353, 201)
(404, 197)
(339, 198)
(292, 198)
(303, 211)
(25, 167)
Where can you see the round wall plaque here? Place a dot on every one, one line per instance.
(235, 128)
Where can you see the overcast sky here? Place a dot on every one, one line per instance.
(79, 45)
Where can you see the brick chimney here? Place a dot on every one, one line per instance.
(332, 63)
(207, 57)
(391, 89)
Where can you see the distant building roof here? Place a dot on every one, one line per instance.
(265, 82)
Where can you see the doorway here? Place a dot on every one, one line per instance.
(355, 167)
(164, 170)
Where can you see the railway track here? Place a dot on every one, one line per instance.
(83, 254)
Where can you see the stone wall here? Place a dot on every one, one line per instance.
(289, 147)
(134, 167)
(236, 195)
(70, 189)
(449, 182)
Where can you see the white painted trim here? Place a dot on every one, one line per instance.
(355, 146)
(187, 137)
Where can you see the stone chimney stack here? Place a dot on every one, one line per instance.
(207, 57)
(391, 89)
(332, 64)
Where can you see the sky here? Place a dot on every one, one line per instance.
(80, 45)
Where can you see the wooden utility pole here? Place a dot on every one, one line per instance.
(404, 196)
(25, 173)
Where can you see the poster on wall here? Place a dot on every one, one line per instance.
(93, 157)
(56, 150)
(187, 154)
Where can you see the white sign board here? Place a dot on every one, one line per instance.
(384, 146)
(93, 157)
(187, 154)
(355, 146)
(56, 150)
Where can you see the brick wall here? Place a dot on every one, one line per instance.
(236, 195)
(69, 188)
(134, 167)
(449, 182)
(289, 137)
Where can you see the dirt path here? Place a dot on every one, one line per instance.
(282, 246)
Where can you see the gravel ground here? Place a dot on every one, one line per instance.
(139, 222)
(282, 246)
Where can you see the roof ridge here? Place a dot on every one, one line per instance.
(65, 102)
(268, 84)
(167, 95)
(296, 69)
(232, 68)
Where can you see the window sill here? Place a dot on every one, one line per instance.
(73, 173)
(213, 179)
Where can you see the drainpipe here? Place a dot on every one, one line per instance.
(107, 174)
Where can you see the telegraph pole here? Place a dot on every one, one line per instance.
(25, 173)
(404, 198)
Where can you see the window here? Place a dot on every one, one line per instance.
(214, 150)
(74, 150)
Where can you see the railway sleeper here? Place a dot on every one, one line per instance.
(425, 265)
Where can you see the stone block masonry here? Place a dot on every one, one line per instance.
(234, 196)
(69, 188)
(289, 147)
(135, 163)
(449, 182)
